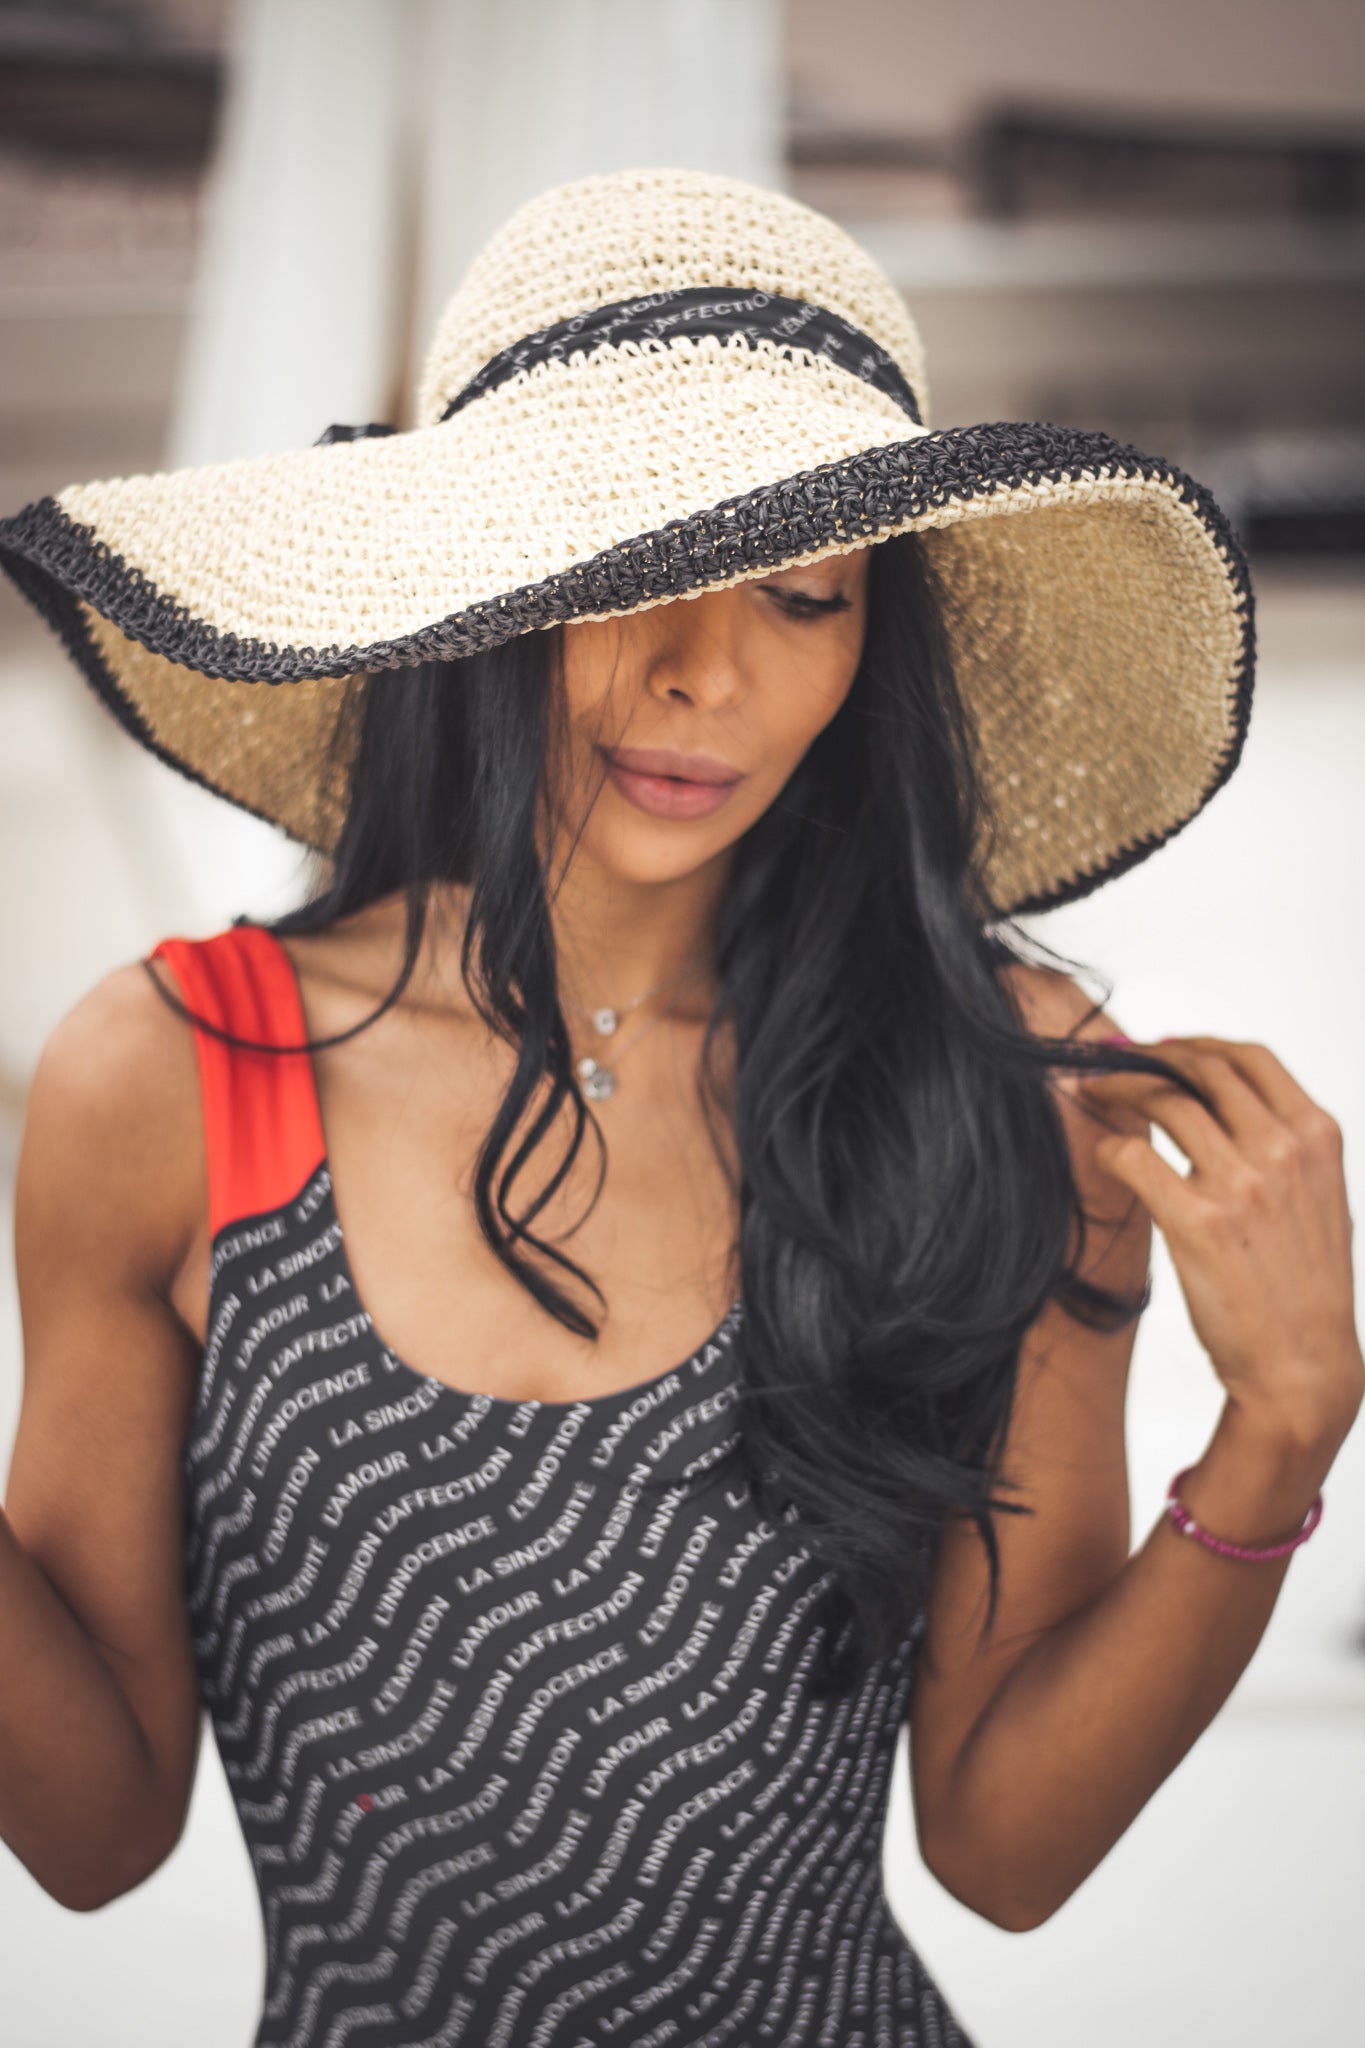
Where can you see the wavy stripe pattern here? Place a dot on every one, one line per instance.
(512, 1698)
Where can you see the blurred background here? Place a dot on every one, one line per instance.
(224, 226)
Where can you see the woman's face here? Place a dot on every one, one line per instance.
(685, 721)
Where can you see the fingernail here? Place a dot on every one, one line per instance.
(1117, 1038)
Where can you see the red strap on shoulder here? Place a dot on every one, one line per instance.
(262, 1125)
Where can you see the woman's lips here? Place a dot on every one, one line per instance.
(664, 795)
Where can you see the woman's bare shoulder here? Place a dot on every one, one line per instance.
(347, 966)
(121, 1053)
(113, 1123)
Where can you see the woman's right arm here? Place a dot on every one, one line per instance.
(99, 1711)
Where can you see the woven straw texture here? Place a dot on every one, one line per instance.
(1098, 605)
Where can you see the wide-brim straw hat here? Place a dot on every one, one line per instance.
(650, 384)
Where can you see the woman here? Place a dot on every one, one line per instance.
(624, 1298)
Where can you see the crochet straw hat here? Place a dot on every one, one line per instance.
(650, 384)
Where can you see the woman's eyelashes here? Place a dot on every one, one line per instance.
(801, 605)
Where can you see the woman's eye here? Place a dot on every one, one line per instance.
(801, 605)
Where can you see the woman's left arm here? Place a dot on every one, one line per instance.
(1034, 1747)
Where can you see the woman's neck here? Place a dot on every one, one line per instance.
(614, 939)
(618, 939)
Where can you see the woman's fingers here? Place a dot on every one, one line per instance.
(1259, 1230)
(1260, 1108)
(1258, 1067)
(1157, 1185)
(1249, 1119)
(1205, 1139)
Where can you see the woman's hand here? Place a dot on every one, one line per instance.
(1259, 1230)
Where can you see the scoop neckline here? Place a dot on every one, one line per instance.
(619, 1397)
(468, 1397)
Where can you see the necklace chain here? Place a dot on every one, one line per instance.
(606, 1017)
(599, 1080)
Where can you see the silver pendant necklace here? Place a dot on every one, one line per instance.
(599, 1080)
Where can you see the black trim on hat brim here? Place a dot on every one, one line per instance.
(60, 609)
(55, 563)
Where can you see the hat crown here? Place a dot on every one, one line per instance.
(615, 236)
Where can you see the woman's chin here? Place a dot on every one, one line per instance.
(647, 855)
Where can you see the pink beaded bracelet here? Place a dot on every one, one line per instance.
(1186, 1524)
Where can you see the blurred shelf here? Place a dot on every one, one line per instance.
(978, 255)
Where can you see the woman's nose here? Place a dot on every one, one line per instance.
(697, 656)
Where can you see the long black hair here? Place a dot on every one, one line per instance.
(906, 1201)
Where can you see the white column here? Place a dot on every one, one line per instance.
(370, 146)
(523, 94)
(295, 310)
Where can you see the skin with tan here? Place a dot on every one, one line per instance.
(1033, 1748)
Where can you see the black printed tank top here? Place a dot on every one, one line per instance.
(511, 1695)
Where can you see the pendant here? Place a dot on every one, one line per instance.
(604, 1022)
(598, 1082)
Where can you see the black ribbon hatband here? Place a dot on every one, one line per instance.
(330, 435)
(661, 316)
